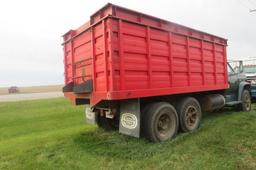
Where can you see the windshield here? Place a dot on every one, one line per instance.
(235, 67)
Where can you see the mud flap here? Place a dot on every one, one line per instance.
(90, 115)
(129, 123)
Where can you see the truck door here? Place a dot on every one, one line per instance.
(234, 79)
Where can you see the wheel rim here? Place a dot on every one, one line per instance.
(191, 117)
(164, 124)
(247, 102)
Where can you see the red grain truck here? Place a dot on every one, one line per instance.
(147, 76)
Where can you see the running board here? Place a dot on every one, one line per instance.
(233, 103)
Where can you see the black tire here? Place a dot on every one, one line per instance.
(190, 114)
(160, 122)
(144, 111)
(246, 101)
(106, 123)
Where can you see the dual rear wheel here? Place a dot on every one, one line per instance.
(190, 114)
(161, 120)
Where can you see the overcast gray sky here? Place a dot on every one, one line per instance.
(30, 30)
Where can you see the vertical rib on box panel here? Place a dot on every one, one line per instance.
(65, 63)
(188, 60)
(214, 64)
(149, 58)
(105, 53)
(121, 55)
(202, 58)
(170, 58)
(111, 65)
(93, 60)
(73, 66)
(225, 63)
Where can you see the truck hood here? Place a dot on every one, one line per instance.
(251, 75)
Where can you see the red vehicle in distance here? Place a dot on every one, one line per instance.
(13, 89)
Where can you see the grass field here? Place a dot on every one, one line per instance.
(34, 89)
(51, 134)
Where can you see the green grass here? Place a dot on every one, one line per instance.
(51, 134)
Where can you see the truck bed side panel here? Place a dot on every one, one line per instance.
(128, 54)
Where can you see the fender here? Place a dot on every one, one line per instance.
(241, 88)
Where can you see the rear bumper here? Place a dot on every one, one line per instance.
(78, 94)
(86, 87)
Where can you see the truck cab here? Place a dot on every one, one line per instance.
(238, 92)
(249, 69)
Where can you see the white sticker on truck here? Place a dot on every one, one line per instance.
(129, 120)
